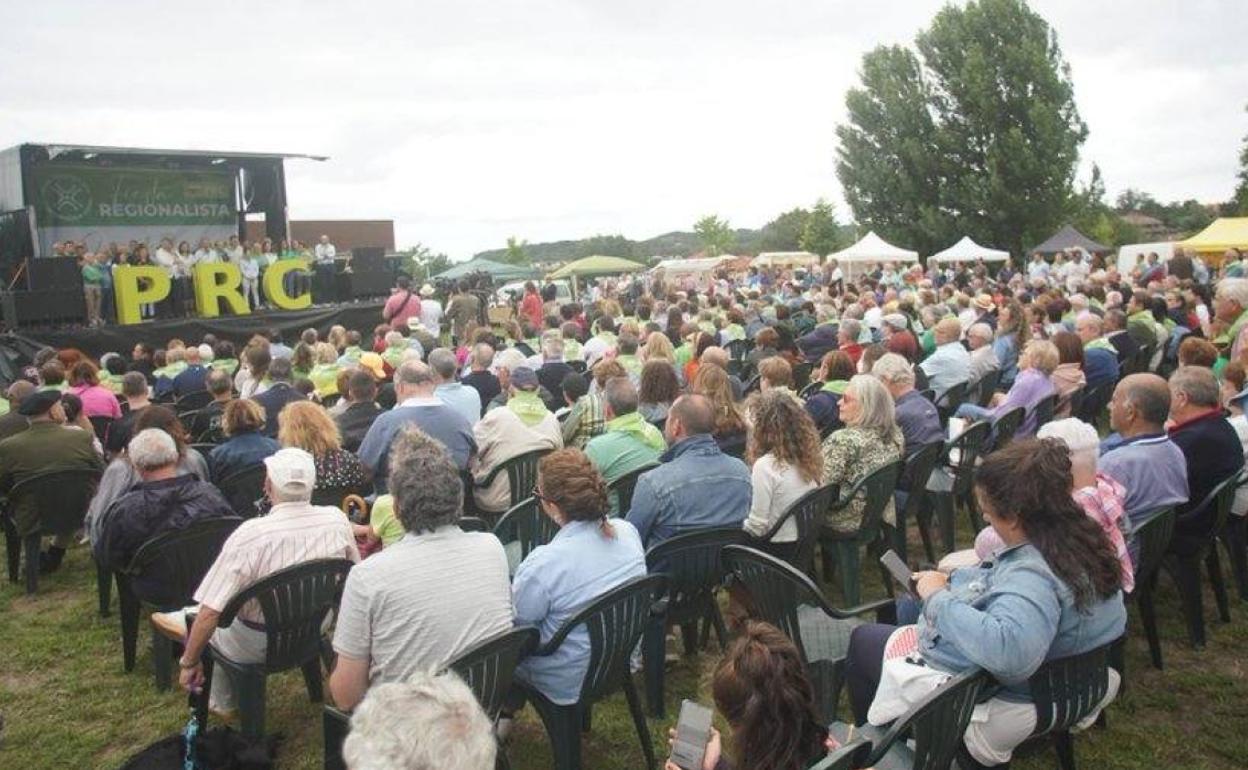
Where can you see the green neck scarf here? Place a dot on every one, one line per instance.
(835, 386)
(1100, 343)
(528, 406)
(636, 426)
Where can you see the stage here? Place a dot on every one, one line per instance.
(362, 316)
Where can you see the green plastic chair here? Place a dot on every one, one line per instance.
(986, 387)
(294, 603)
(808, 513)
(842, 549)
(786, 598)
(615, 622)
(1152, 537)
(935, 724)
(969, 445)
(521, 473)
(694, 571)
(1185, 569)
(1066, 691)
(949, 401)
(1004, 428)
(915, 475)
(848, 756)
(622, 488)
(523, 528)
(61, 496)
(1044, 410)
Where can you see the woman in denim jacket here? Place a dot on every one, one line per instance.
(1052, 590)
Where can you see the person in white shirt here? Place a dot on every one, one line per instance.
(234, 250)
(1038, 269)
(784, 439)
(325, 251)
(430, 311)
(206, 254)
(165, 256)
(250, 268)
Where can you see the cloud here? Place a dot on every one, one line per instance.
(468, 122)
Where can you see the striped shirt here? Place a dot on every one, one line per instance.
(292, 533)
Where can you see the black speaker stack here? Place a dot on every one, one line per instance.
(371, 275)
(49, 294)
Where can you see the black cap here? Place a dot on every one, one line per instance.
(39, 402)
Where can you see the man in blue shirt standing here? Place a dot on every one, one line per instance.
(697, 486)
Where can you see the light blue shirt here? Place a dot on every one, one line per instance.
(462, 399)
(948, 365)
(1006, 349)
(579, 565)
(1009, 615)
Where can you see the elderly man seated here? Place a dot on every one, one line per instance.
(428, 597)
(983, 358)
(1100, 358)
(523, 425)
(630, 442)
(293, 532)
(949, 364)
(162, 501)
(916, 416)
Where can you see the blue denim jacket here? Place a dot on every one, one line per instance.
(696, 487)
(1008, 616)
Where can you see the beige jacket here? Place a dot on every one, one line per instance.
(501, 435)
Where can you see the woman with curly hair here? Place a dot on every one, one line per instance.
(307, 426)
(713, 383)
(761, 688)
(783, 448)
(659, 388)
(1053, 591)
(1013, 333)
(589, 555)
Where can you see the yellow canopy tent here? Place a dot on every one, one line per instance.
(1225, 233)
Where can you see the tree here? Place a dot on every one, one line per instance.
(423, 264)
(1239, 204)
(716, 234)
(515, 254)
(821, 234)
(981, 136)
(606, 245)
(784, 233)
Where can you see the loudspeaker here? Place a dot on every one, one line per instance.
(55, 273)
(367, 259)
(374, 284)
(47, 307)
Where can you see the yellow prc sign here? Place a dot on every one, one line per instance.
(138, 285)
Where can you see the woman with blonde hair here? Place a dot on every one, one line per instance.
(307, 426)
(245, 445)
(730, 424)
(658, 348)
(324, 374)
(783, 448)
(1036, 365)
(869, 440)
(337, 337)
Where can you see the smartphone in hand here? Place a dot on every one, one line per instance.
(898, 569)
(693, 731)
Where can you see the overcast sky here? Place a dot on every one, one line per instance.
(467, 122)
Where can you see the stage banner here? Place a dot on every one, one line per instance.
(99, 205)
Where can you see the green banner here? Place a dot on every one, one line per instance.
(91, 196)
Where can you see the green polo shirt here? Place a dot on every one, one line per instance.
(629, 443)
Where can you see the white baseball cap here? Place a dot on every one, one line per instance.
(291, 470)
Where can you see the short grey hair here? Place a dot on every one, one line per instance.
(133, 384)
(427, 490)
(1079, 437)
(980, 331)
(621, 396)
(852, 327)
(483, 355)
(876, 414)
(893, 369)
(1198, 384)
(552, 343)
(152, 449)
(413, 373)
(429, 722)
(1234, 289)
(443, 362)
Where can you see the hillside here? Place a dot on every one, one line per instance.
(673, 244)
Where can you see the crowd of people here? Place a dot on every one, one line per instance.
(739, 398)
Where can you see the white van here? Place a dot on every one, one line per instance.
(1130, 254)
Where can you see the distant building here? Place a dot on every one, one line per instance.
(346, 234)
(1152, 229)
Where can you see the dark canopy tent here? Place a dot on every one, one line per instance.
(1069, 238)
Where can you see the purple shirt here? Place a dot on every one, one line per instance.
(1029, 388)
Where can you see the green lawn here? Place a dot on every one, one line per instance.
(66, 702)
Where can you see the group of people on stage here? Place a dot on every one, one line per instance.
(179, 260)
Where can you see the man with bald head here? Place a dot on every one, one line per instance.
(1146, 461)
(14, 423)
(1211, 446)
(949, 363)
(697, 486)
(416, 405)
(1100, 357)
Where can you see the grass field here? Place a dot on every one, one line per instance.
(67, 704)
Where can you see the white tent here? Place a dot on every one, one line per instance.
(866, 252)
(967, 250)
(785, 259)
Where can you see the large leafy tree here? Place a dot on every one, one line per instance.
(980, 135)
(784, 233)
(716, 234)
(516, 253)
(821, 235)
(606, 245)
(1239, 204)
